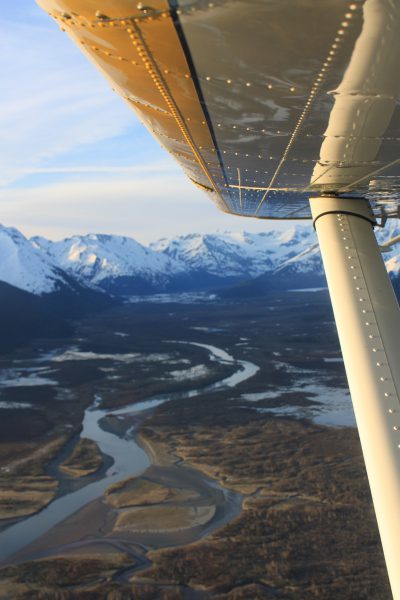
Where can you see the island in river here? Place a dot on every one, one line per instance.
(243, 487)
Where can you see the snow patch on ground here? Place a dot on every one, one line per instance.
(338, 359)
(14, 405)
(11, 378)
(77, 355)
(195, 372)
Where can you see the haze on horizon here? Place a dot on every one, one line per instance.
(74, 158)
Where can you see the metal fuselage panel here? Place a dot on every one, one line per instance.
(264, 103)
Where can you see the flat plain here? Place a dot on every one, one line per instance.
(254, 489)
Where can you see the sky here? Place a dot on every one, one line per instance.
(74, 159)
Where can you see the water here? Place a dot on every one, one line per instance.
(129, 458)
(334, 406)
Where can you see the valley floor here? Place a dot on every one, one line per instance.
(253, 490)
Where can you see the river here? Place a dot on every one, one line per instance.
(129, 459)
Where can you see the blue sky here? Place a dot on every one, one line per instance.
(74, 159)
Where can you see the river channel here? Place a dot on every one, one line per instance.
(129, 458)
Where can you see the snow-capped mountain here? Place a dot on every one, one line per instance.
(25, 266)
(36, 295)
(111, 261)
(121, 265)
(243, 255)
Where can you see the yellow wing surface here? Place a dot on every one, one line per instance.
(264, 103)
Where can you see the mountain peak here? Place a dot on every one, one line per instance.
(25, 266)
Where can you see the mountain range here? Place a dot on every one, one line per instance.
(120, 265)
(67, 278)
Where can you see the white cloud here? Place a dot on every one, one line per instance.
(53, 101)
(158, 167)
(147, 205)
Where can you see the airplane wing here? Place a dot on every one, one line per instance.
(240, 92)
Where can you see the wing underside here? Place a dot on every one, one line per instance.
(243, 94)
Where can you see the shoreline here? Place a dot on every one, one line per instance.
(96, 519)
(161, 458)
(151, 558)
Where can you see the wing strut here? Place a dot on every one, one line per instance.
(368, 322)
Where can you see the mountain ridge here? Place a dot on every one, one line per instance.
(119, 265)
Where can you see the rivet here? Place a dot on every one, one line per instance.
(100, 15)
(145, 9)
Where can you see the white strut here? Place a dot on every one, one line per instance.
(368, 322)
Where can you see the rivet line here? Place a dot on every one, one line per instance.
(377, 347)
(159, 82)
(315, 89)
